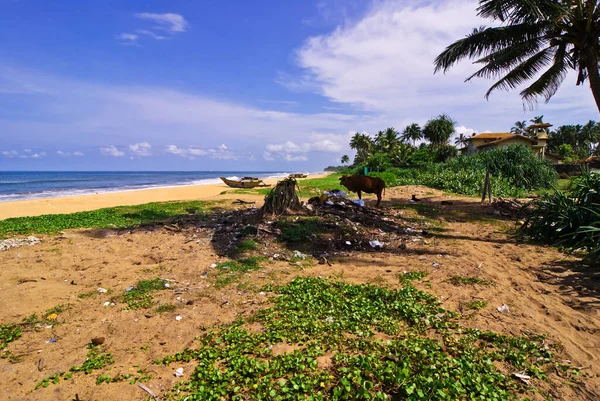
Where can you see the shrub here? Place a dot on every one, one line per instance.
(569, 220)
(388, 177)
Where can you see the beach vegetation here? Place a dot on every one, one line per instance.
(329, 335)
(112, 217)
(539, 41)
(232, 270)
(245, 246)
(477, 305)
(301, 229)
(140, 296)
(166, 308)
(468, 280)
(9, 333)
(570, 219)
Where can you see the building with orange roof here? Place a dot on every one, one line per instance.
(493, 140)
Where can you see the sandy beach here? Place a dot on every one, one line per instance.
(71, 204)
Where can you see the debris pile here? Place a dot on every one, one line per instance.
(513, 208)
(282, 198)
(17, 242)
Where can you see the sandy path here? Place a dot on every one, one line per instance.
(71, 204)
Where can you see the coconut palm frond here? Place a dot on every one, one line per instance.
(519, 10)
(550, 81)
(523, 72)
(505, 59)
(485, 41)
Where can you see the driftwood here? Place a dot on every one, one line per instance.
(243, 202)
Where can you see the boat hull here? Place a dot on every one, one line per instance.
(243, 184)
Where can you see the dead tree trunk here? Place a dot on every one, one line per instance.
(281, 199)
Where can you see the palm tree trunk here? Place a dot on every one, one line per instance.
(591, 65)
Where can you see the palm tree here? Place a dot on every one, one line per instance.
(520, 128)
(362, 143)
(590, 135)
(400, 154)
(549, 37)
(379, 142)
(537, 120)
(387, 141)
(412, 133)
(345, 159)
(438, 130)
(461, 140)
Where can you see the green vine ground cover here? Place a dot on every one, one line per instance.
(112, 217)
(357, 342)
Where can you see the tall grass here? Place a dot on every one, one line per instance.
(570, 220)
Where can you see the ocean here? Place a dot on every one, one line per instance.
(19, 185)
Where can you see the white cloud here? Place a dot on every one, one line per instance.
(174, 150)
(151, 34)
(169, 21)
(291, 158)
(112, 151)
(38, 155)
(268, 156)
(141, 149)
(27, 150)
(9, 153)
(383, 63)
(220, 153)
(66, 154)
(128, 39)
(324, 143)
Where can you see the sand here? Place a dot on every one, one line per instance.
(547, 291)
(71, 204)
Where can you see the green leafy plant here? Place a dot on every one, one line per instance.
(95, 360)
(466, 280)
(477, 305)
(140, 297)
(321, 340)
(408, 277)
(9, 333)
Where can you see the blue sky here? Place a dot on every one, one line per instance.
(260, 85)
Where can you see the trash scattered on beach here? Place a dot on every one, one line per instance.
(178, 318)
(52, 316)
(102, 290)
(128, 289)
(299, 255)
(147, 389)
(178, 372)
(521, 376)
(17, 242)
(376, 244)
(435, 264)
(503, 309)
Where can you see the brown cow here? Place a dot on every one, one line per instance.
(361, 183)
